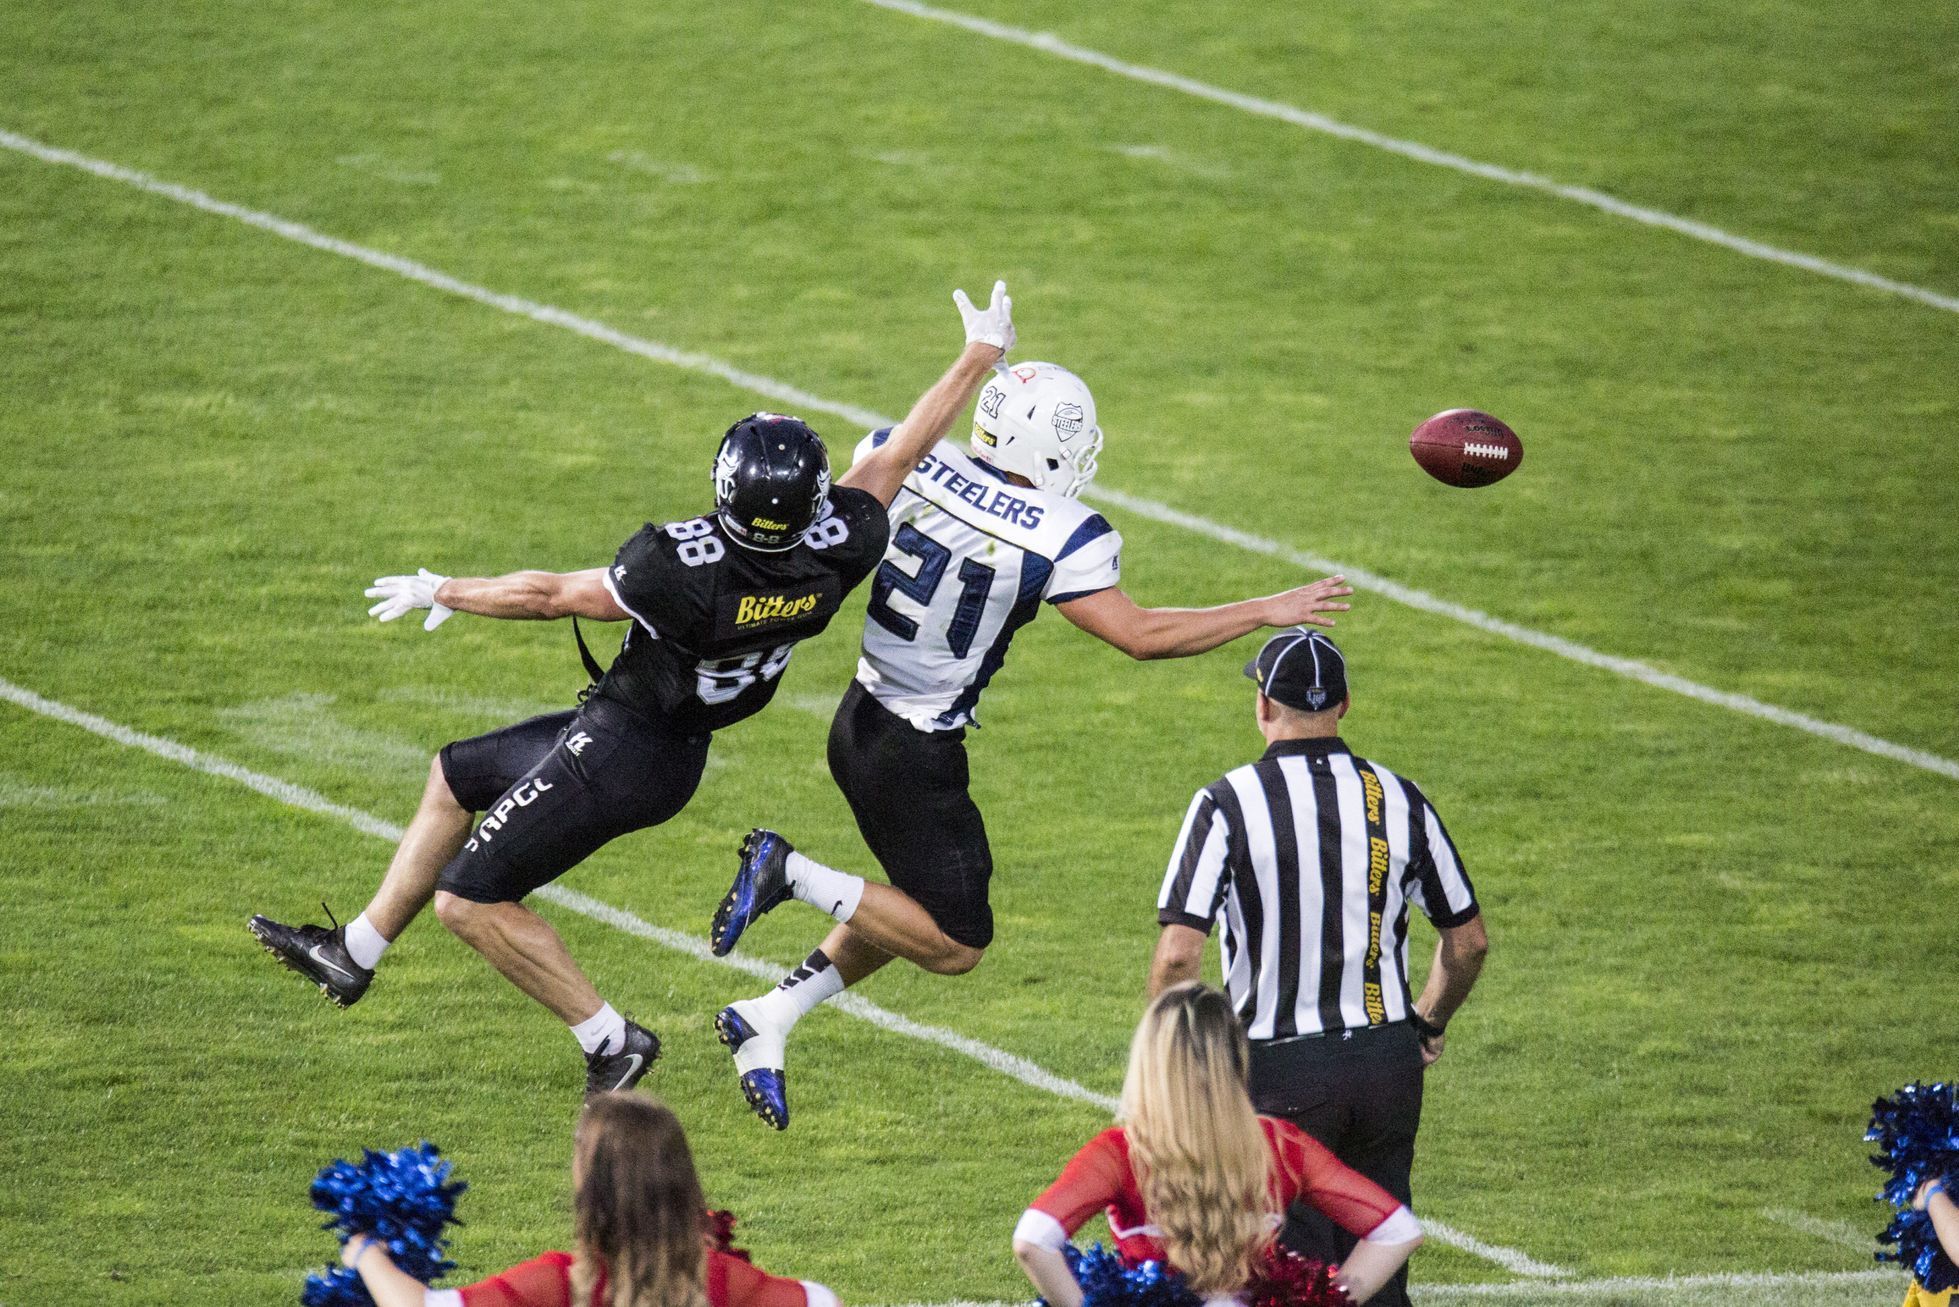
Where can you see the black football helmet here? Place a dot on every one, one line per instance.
(771, 481)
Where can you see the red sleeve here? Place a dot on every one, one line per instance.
(541, 1282)
(1308, 1170)
(732, 1282)
(1088, 1183)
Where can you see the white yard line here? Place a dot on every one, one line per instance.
(796, 397)
(1048, 43)
(421, 272)
(1007, 1064)
(1362, 579)
(1842, 1233)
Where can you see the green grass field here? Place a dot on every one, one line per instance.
(1716, 938)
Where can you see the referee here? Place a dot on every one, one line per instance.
(1313, 855)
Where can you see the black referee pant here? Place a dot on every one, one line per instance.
(1358, 1092)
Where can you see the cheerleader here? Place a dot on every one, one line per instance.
(1933, 1199)
(1194, 1178)
(640, 1225)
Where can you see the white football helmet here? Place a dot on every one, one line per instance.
(1038, 419)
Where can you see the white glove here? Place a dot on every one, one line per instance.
(993, 325)
(402, 594)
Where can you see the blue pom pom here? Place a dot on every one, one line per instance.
(336, 1287)
(405, 1199)
(1917, 1133)
(1106, 1282)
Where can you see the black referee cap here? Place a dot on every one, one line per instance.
(1301, 669)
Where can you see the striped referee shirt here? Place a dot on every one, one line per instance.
(1313, 855)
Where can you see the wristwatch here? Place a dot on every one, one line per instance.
(1423, 1026)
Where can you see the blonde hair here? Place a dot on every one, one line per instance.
(1195, 1143)
(638, 1210)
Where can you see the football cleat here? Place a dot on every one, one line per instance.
(765, 1087)
(317, 953)
(761, 882)
(606, 1072)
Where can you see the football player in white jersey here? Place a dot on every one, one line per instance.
(981, 538)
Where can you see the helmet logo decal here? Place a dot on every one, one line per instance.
(1067, 420)
(1026, 372)
(990, 400)
(726, 465)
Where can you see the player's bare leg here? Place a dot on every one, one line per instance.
(887, 918)
(341, 959)
(533, 957)
(875, 923)
(434, 836)
(855, 957)
(529, 953)
(891, 921)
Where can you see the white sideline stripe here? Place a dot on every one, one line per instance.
(1048, 43)
(1842, 1233)
(1362, 579)
(1150, 508)
(1007, 1064)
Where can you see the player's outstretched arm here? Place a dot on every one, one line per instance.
(1114, 617)
(533, 596)
(989, 335)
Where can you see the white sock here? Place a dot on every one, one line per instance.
(835, 892)
(604, 1029)
(799, 994)
(365, 943)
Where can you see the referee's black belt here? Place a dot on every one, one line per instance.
(1345, 1035)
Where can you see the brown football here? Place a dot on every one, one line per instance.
(1463, 447)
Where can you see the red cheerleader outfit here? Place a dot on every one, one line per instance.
(546, 1282)
(1100, 1178)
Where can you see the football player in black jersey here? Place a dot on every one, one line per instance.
(716, 604)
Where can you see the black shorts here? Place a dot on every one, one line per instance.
(908, 791)
(555, 788)
(1361, 1096)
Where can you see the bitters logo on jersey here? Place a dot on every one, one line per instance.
(740, 614)
(756, 609)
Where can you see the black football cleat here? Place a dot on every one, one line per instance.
(765, 1087)
(761, 882)
(606, 1072)
(317, 953)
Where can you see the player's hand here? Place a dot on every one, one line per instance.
(992, 325)
(1923, 1198)
(1302, 607)
(1432, 1046)
(350, 1252)
(404, 594)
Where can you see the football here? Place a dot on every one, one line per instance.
(1463, 447)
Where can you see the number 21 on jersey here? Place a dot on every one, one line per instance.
(974, 577)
